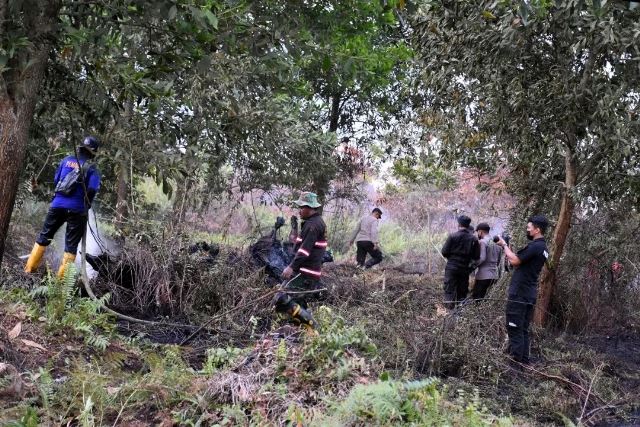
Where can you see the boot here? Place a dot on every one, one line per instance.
(303, 316)
(66, 259)
(34, 259)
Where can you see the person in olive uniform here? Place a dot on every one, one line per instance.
(305, 269)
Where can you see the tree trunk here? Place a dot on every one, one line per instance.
(560, 234)
(16, 116)
(320, 182)
(122, 194)
(19, 84)
(334, 117)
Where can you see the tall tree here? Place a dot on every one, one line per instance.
(27, 30)
(179, 89)
(349, 58)
(549, 89)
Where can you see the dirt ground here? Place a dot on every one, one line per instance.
(402, 315)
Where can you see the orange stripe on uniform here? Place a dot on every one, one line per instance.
(311, 272)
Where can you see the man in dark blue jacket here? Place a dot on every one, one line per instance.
(77, 181)
(523, 290)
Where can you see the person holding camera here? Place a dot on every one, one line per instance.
(460, 249)
(490, 255)
(523, 289)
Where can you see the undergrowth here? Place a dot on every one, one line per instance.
(67, 312)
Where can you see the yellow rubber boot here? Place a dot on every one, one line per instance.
(34, 259)
(303, 317)
(66, 259)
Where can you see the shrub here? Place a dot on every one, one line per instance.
(413, 403)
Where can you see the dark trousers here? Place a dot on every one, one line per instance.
(518, 317)
(456, 286)
(76, 225)
(364, 248)
(288, 296)
(480, 288)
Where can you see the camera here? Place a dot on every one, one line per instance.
(496, 239)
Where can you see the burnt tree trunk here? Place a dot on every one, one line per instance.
(122, 193)
(19, 84)
(560, 233)
(334, 116)
(321, 182)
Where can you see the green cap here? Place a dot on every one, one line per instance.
(308, 199)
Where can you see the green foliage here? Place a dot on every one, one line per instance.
(328, 348)
(412, 403)
(46, 389)
(220, 358)
(29, 419)
(543, 88)
(67, 311)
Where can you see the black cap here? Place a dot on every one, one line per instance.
(483, 226)
(464, 221)
(377, 210)
(91, 144)
(540, 221)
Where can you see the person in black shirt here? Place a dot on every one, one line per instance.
(460, 249)
(523, 289)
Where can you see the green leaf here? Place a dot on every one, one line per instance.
(173, 11)
(211, 18)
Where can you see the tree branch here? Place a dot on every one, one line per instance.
(3, 18)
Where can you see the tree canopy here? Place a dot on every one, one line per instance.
(548, 90)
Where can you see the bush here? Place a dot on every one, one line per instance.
(414, 403)
(598, 281)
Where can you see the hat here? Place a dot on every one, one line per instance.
(91, 144)
(308, 199)
(464, 221)
(483, 226)
(377, 210)
(540, 221)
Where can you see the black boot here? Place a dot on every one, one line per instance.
(301, 315)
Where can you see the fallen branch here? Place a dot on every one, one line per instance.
(586, 400)
(573, 385)
(402, 296)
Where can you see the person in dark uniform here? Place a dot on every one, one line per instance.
(523, 289)
(305, 270)
(460, 249)
(77, 181)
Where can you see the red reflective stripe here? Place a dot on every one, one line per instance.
(322, 244)
(311, 272)
(302, 251)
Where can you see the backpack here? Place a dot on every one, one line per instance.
(67, 185)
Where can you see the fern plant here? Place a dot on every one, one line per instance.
(46, 389)
(219, 358)
(328, 349)
(29, 419)
(65, 309)
(406, 403)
